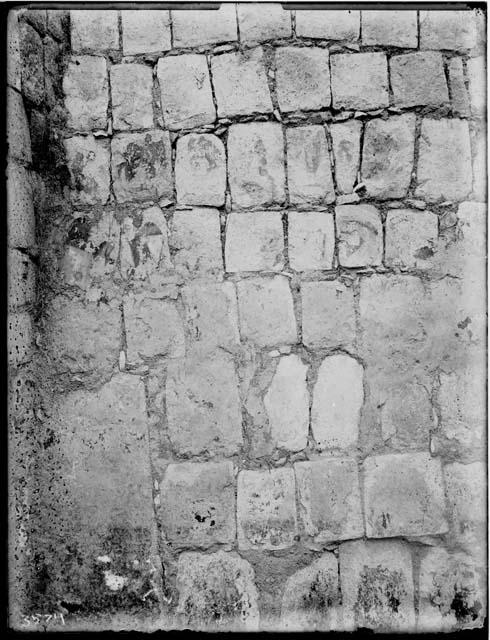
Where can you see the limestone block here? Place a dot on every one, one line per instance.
(145, 31)
(302, 78)
(359, 80)
(254, 241)
(132, 91)
(86, 89)
(311, 240)
(360, 235)
(418, 79)
(200, 170)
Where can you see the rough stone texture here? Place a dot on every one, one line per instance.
(346, 141)
(240, 83)
(418, 79)
(20, 205)
(20, 338)
(141, 166)
(18, 135)
(202, 403)
(21, 278)
(217, 591)
(32, 63)
(337, 400)
(403, 495)
(311, 240)
(377, 586)
(387, 156)
(185, 89)
(453, 30)
(145, 31)
(360, 235)
(329, 499)
(367, 87)
(407, 416)
(390, 28)
(272, 21)
(254, 242)
(329, 319)
(88, 162)
(266, 312)
(476, 72)
(94, 30)
(198, 503)
(195, 28)
(196, 244)
(256, 164)
(302, 78)
(457, 85)
(410, 238)
(86, 89)
(13, 52)
(328, 25)
(287, 404)
(444, 165)
(309, 172)
(266, 509)
(131, 91)
(200, 170)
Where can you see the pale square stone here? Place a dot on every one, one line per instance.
(360, 235)
(88, 161)
(418, 79)
(392, 28)
(240, 83)
(265, 22)
(346, 141)
(86, 89)
(311, 239)
(254, 241)
(132, 96)
(200, 170)
(196, 242)
(193, 28)
(95, 30)
(453, 30)
(266, 509)
(328, 25)
(410, 238)
(302, 78)
(145, 31)
(359, 80)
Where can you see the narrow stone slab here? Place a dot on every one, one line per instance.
(346, 140)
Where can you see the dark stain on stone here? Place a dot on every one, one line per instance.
(144, 156)
(79, 232)
(319, 594)
(424, 253)
(379, 595)
(464, 323)
(462, 610)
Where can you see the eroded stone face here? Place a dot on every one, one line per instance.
(311, 240)
(452, 30)
(94, 30)
(254, 242)
(390, 28)
(200, 170)
(334, 25)
(367, 87)
(145, 31)
(88, 161)
(407, 416)
(272, 21)
(360, 235)
(302, 78)
(131, 91)
(346, 139)
(410, 238)
(192, 28)
(196, 243)
(86, 89)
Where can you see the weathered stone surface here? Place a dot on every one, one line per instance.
(57, 21)
(338, 396)
(193, 28)
(418, 79)
(20, 338)
(476, 71)
(240, 83)
(153, 328)
(377, 586)
(187, 100)
(453, 30)
(76, 267)
(478, 135)
(266, 509)
(390, 28)
(387, 156)
(311, 240)
(302, 78)
(131, 90)
(444, 165)
(254, 241)
(211, 314)
(217, 591)
(145, 31)
(86, 89)
(403, 495)
(329, 499)
(18, 136)
(21, 222)
(200, 170)
(359, 80)
(197, 505)
(196, 242)
(329, 319)
(287, 404)
(94, 30)
(360, 235)
(21, 272)
(310, 601)
(203, 407)
(452, 592)
(266, 311)
(13, 51)
(32, 64)
(88, 161)
(328, 25)
(410, 238)
(457, 84)
(270, 22)
(346, 140)
(256, 164)
(407, 416)
(309, 172)
(142, 166)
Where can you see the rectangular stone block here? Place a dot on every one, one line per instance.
(194, 28)
(457, 85)
(418, 79)
(21, 279)
(346, 141)
(302, 78)
(254, 241)
(94, 30)
(328, 315)
(407, 416)
(359, 234)
(328, 25)
(269, 21)
(256, 164)
(197, 504)
(185, 88)
(20, 337)
(57, 22)
(21, 223)
(145, 31)
(88, 162)
(309, 171)
(476, 72)
(18, 136)
(266, 509)
(196, 243)
(329, 498)
(32, 64)
(200, 170)
(359, 80)
(404, 495)
(132, 96)
(311, 240)
(86, 89)
(453, 30)
(13, 65)
(240, 83)
(392, 28)
(410, 238)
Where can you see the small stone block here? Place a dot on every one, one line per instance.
(200, 170)
(88, 161)
(94, 30)
(360, 235)
(131, 89)
(390, 28)
(86, 89)
(254, 242)
(311, 238)
(270, 21)
(328, 25)
(359, 81)
(196, 242)
(145, 31)
(410, 238)
(418, 79)
(302, 78)
(194, 28)
(346, 140)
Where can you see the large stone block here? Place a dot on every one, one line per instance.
(329, 498)
(254, 241)
(302, 78)
(346, 142)
(271, 21)
(200, 170)
(196, 243)
(453, 30)
(197, 504)
(88, 161)
(360, 235)
(311, 240)
(256, 164)
(387, 156)
(410, 238)
(21, 223)
(132, 96)
(240, 83)
(266, 509)
(94, 30)
(145, 31)
(194, 28)
(328, 25)
(390, 28)
(418, 79)
(359, 80)
(86, 89)
(403, 495)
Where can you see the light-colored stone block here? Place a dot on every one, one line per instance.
(88, 161)
(311, 240)
(346, 141)
(328, 25)
(359, 80)
(418, 79)
(194, 28)
(86, 89)
(254, 242)
(132, 96)
(145, 31)
(200, 170)
(196, 243)
(302, 78)
(94, 30)
(390, 28)
(457, 83)
(407, 416)
(269, 21)
(410, 238)
(453, 30)
(360, 235)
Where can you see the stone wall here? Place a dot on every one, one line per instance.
(260, 320)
